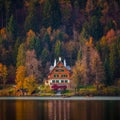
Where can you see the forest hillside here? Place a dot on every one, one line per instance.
(84, 32)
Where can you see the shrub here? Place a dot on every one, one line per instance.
(111, 90)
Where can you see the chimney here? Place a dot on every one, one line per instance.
(64, 62)
(54, 62)
(59, 58)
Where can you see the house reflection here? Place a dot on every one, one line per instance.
(59, 110)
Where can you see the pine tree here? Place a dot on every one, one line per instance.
(46, 41)
(12, 29)
(32, 20)
(32, 43)
(2, 12)
(118, 58)
(112, 59)
(52, 14)
(45, 56)
(16, 46)
(93, 28)
(108, 79)
(30, 35)
(38, 47)
(21, 55)
(89, 68)
(58, 49)
(8, 8)
(47, 14)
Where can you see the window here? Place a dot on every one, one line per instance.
(66, 81)
(56, 75)
(62, 81)
(57, 81)
(64, 75)
(53, 81)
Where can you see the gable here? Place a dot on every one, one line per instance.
(60, 68)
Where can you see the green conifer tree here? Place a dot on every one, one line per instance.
(32, 20)
(52, 14)
(12, 29)
(57, 51)
(21, 55)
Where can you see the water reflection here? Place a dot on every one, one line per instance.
(59, 110)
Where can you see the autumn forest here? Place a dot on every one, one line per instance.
(35, 32)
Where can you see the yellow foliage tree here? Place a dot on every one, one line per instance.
(20, 76)
(78, 75)
(23, 82)
(30, 83)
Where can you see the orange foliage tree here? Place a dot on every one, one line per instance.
(24, 82)
(20, 76)
(3, 74)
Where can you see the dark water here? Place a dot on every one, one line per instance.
(59, 110)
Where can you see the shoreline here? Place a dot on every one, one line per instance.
(62, 98)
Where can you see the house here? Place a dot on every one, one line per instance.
(59, 75)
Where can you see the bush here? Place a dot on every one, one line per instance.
(111, 90)
(67, 93)
(88, 92)
(11, 92)
(47, 94)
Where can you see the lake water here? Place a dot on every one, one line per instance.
(59, 110)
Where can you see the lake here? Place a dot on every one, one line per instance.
(59, 110)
